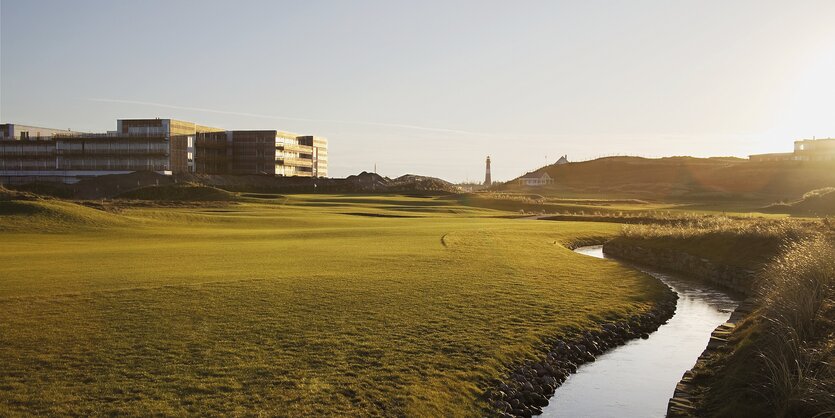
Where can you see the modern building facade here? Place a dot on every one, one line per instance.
(17, 131)
(165, 146)
(804, 150)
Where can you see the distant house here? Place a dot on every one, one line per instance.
(534, 179)
(562, 160)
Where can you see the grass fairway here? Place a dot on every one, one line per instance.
(331, 305)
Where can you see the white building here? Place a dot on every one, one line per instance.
(534, 180)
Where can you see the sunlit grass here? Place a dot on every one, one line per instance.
(292, 307)
(782, 362)
(743, 242)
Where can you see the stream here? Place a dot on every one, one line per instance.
(637, 379)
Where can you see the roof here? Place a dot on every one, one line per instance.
(534, 176)
(773, 154)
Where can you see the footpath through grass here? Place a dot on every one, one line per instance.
(330, 305)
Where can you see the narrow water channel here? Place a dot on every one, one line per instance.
(638, 378)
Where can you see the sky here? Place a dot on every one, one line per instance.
(433, 87)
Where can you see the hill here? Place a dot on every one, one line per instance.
(48, 215)
(683, 178)
(153, 186)
(359, 183)
(178, 192)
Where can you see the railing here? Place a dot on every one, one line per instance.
(112, 151)
(294, 148)
(114, 167)
(203, 143)
(27, 167)
(64, 135)
(297, 162)
(27, 154)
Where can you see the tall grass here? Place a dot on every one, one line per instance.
(797, 348)
(746, 243)
(682, 226)
(784, 361)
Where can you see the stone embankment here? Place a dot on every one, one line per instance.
(684, 403)
(526, 389)
(730, 277)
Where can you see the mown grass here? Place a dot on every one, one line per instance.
(292, 307)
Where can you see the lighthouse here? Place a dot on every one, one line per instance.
(487, 180)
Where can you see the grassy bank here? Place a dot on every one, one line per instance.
(685, 179)
(780, 360)
(291, 306)
(747, 243)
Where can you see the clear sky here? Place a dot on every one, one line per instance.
(432, 87)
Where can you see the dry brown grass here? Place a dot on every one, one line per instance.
(797, 348)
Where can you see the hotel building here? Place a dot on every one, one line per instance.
(165, 146)
(804, 150)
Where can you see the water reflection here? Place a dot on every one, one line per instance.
(638, 379)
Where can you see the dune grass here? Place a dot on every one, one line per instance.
(748, 243)
(178, 192)
(820, 202)
(288, 306)
(782, 359)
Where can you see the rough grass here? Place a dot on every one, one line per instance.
(742, 242)
(820, 202)
(38, 215)
(288, 308)
(783, 358)
(683, 178)
(536, 204)
(612, 209)
(178, 192)
(783, 364)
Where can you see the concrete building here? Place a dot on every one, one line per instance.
(815, 149)
(488, 180)
(165, 146)
(804, 150)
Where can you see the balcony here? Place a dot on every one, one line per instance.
(162, 151)
(294, 162)
(295, 148)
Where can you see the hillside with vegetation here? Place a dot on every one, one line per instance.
(819, 202)
(780, 359)
(682, 178)
(166, 187)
